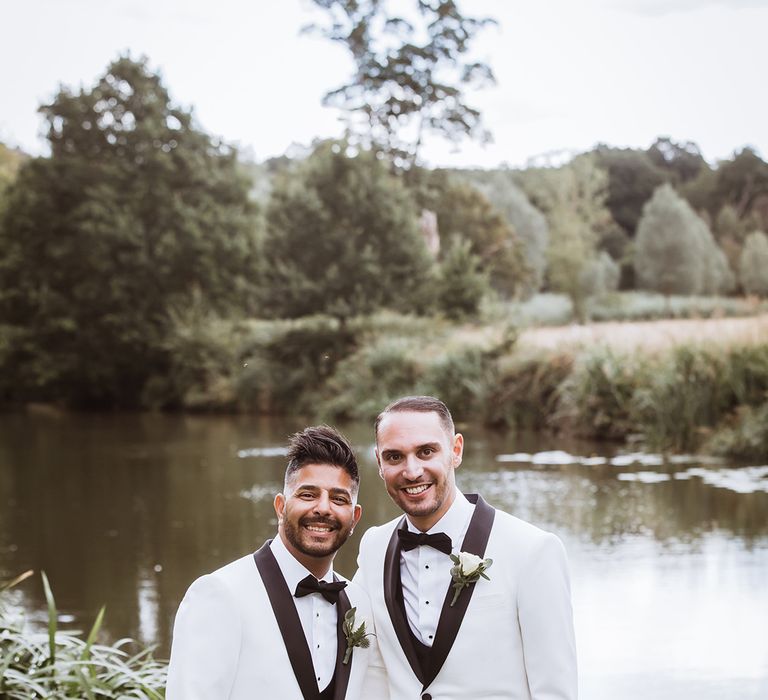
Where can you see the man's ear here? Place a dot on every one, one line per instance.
(458, 449)
(279, 507)
(356, 515)
(378, 461)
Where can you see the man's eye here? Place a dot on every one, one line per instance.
(427, 451)
(393, 458)
(340, 500)
(306, 496)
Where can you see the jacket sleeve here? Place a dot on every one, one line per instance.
(376, 682)
(206, 644)
(546, 623)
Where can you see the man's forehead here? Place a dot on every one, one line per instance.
(321, 476)
(410, 426)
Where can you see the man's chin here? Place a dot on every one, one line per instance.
(319, 550)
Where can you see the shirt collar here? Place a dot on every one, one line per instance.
(293, 571)
(455, 521)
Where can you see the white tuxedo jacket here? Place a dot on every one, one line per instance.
(237, 636)
(511, 637)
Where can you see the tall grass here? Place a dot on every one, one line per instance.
(58, 664)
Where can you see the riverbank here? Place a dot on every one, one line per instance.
(666, 385)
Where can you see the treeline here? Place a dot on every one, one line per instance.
(129, 253)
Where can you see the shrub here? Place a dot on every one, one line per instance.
(596, 398)
(683, 400)
(525, 394)
(746, 437)
(285, 363)
(753, 264)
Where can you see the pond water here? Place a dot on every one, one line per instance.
(669, 560)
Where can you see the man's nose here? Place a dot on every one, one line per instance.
(413, 467)
(323, 503)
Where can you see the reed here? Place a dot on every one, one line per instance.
(59, 664)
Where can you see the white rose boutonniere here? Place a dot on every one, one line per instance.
(355, 637)
(468, 568)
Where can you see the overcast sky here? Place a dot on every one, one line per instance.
(571, 73)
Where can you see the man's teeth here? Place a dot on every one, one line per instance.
(318, 528)
(415, 490)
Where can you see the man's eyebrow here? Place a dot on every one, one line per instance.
(432, 445)
(313, 487)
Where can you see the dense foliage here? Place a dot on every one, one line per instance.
(342, 238)
(134, 212)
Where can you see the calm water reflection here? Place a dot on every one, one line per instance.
(669, 562)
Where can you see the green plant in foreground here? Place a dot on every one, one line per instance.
(59, 664)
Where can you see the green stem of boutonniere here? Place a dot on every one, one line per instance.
(468, 568)
(355, 637)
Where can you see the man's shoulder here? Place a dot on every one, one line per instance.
(379, 535)
(239, 573)
(524, 534)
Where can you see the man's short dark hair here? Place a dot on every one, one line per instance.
(418, 404)
(321, 444)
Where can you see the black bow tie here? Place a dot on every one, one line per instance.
(410, 540)
(329, 591)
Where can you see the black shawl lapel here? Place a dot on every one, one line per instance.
(475, 542)
(393, 596)
(343, 670)
(281, 599)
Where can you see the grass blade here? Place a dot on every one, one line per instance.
(52, 617)
(17, 580)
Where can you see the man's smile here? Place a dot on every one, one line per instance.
(416, 490)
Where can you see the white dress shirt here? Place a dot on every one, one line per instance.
(425, 571)
(318, 616)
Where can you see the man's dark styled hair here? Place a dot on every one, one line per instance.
(321, 444)
(418, 404)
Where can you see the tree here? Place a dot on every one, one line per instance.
(675, 251)
(528, 223)
(753, 266)
(135, 212)
(409, 74)
(463, 211)
(600, 275)
(342, 238)
(632, 178)
(460, 281)
(572, 198)
(741, 182)
(682, 160)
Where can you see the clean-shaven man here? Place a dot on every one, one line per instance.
(270, 625)
(507, 637)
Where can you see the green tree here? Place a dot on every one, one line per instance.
(528, 223)
(135, 211)
(460, 281)
(753, 267)
(11, 160)
(409, 73)
(675, 251)
(572, 198)
(600, 275)
(743, 183)
(342, 239)
(681, 160)
(632, 178)
(462, 210)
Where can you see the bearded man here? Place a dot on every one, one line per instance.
(276, 623)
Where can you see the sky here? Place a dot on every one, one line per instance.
(570, 74)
